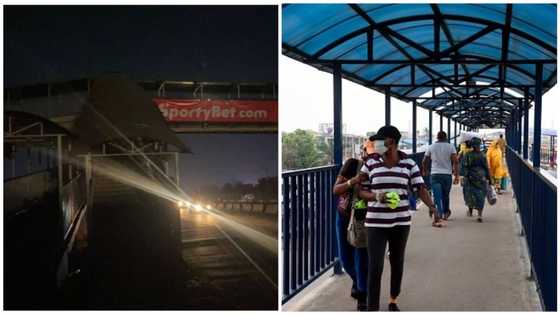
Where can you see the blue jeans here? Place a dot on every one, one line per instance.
(441, 187)
(354, 260)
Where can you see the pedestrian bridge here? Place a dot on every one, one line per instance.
(478, 65)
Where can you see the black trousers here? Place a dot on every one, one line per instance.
(378, 237)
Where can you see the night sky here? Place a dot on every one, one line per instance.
(212, 43)
(195, 43)
(227, 158)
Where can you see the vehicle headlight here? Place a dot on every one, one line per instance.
(180, 203)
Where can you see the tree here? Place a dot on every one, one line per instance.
(300, 150)
(326, 151)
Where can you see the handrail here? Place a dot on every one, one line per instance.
(537, 171)
(28, 174)
(305, 170)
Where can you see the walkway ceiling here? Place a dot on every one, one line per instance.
(470, 51)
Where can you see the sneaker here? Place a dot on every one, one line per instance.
(393, 307)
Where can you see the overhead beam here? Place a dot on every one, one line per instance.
(421, 17)
(389, 34)
(505, 45)
(446, 31)
(459, 61)
(468, 40)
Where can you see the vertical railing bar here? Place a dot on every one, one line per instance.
(322, 220)
(333, 216)
(328, 218)
(286, 235)
(312, 225)
(300, 229)
(293, 186)
(306, 226)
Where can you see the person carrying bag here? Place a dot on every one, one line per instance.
(357, 232)
(349, 222)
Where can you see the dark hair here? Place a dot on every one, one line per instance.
(350, 168)
(468, 143)
(389, 132)
(501, 135)
(441, 135)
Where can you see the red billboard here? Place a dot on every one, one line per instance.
(194, 110)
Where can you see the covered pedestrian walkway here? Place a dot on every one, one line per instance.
(478, 65)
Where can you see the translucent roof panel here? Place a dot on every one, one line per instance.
(377, 43)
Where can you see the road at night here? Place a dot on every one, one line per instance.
(217, 267)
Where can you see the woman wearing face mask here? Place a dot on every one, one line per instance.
(389, 171)
(354, 260)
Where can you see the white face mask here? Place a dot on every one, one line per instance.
(379, 147)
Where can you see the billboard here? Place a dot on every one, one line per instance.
(225, 111)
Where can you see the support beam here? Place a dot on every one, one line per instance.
(448, 130)
(430, 127)
(526, 126)
(440, 122)
(513, 124)
(414, 126)
(337, 141)
(370, 45)
(519, 127)
(387, 106)
(337, 111)
(538, 113)
(455, 134)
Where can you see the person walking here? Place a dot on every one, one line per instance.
(502, 143)
(443, 159)
(496, 165)
(388, 218)
(476, 178)
(354, 260)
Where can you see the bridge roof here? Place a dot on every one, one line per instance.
(121, 107)
(412, 49)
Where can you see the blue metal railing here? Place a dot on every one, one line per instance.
(536, 199)
(308, 227)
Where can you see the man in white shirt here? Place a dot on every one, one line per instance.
(444, 163)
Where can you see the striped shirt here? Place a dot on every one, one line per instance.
(395, 179)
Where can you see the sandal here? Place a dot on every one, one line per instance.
(438, 224)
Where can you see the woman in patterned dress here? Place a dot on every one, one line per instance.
(476, 178)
